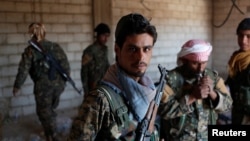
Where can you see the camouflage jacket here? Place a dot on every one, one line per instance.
(94, 116)
(240, 90)
(94, 65)
(184, 122)
(97, 121)
(33, 63)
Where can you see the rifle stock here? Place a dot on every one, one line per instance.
(51, 60)
(146, 126)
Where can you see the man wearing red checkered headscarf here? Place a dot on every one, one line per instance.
(194, 94)
(195, 50)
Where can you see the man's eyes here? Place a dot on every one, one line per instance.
(134, 49)
(147, 49)
(244, 35)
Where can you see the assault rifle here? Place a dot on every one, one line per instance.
(53, 63)
(146, 126)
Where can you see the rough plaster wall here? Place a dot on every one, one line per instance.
(224, 36)
(176, 22)
(68, 22)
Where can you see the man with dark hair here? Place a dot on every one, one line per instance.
(239, 75)
(112, 111)
(95, 59)
(194, 95)
(48, 83)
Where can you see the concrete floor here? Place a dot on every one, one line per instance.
(28, 128)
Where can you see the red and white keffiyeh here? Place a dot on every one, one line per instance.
(194, 50)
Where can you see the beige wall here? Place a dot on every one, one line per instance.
(67, 22)
(176, 22)
(224, 36)
(71, 23)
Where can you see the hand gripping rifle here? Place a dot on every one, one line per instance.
(146, 126)
(53, 63)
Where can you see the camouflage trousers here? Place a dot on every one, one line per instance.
(47, 99)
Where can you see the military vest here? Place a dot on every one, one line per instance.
(40, 67)
(240, 90)
(180, 87)
(122, 121)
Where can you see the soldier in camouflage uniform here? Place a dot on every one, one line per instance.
(194, 95)
(126, 79)
(239, 75)
(47, 88)
(95, 59)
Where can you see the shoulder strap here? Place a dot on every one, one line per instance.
(118, 107)
(175, 80)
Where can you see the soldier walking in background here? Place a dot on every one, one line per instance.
(48, 83)
(95, 59)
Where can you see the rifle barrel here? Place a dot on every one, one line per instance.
(144, 128)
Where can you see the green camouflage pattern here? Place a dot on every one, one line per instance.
(94, 65)
(182, 122)
(47, 92)
(240, 90)
(33, 63)
(96, 122)
(94, 114)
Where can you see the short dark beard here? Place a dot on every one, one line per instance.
(189, 71)
(137, 74)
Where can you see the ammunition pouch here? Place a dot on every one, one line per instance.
(213, 117)
(122, 129)
(119, 110)
(244, 99)
(178, 127)
(39, 67)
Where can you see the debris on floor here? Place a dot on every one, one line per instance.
(28, 128)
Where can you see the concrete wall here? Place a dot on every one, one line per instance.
(71, 23)
(176, 21)
(67, 22)
(225, 21)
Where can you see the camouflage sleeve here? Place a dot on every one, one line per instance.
(94, 114)
(62, 58)
(171, 107)
(85, 68)
(174, 106)
(174, 102)
(225, 99)
(24, 67)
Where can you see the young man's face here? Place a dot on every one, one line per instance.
(103, 38)
(244, 40)
(135, 54)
